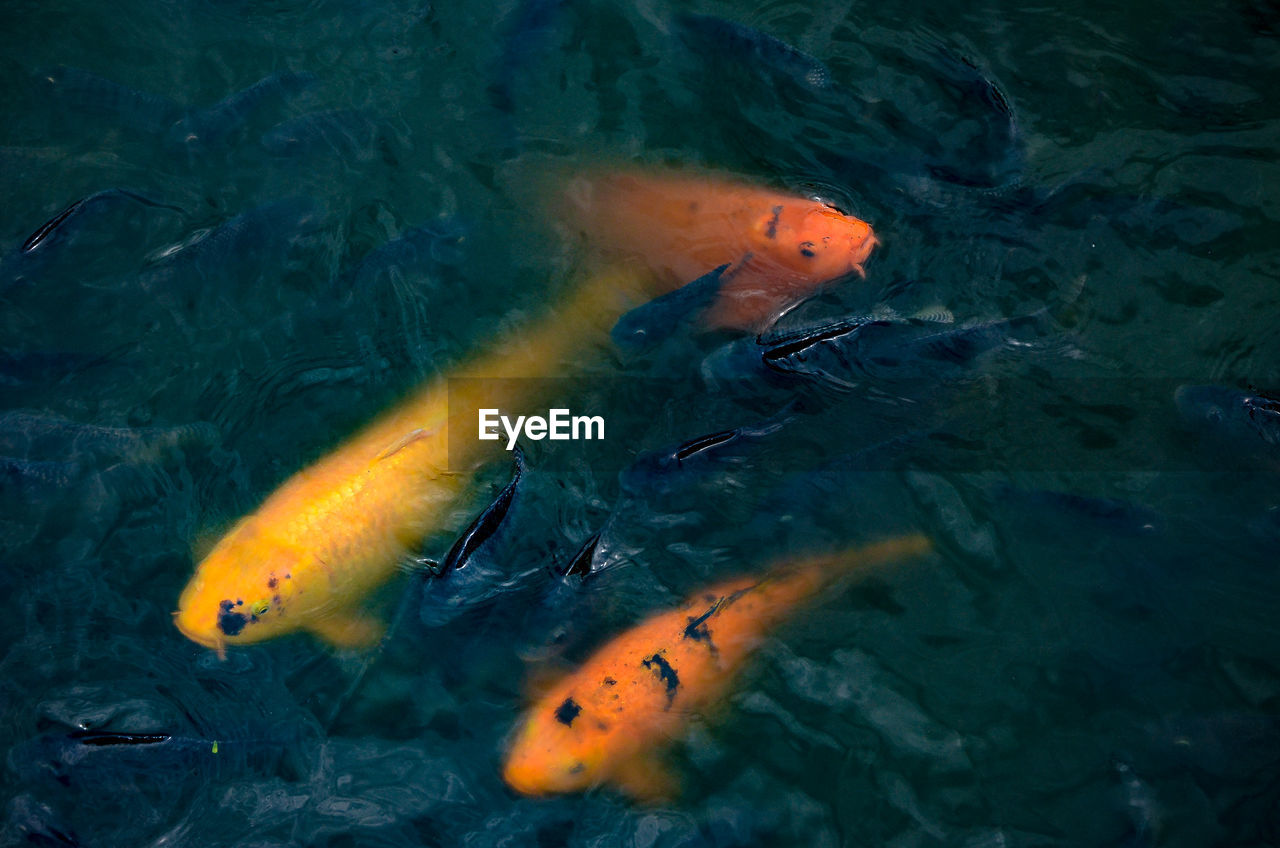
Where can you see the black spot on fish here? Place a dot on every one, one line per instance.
(577, 768)
(665, 673)
(567, 712)
(806, 249)
(230, 622)
(772, 231)
(609, 681)
(697, 629)
(272, 583)
(239, 602)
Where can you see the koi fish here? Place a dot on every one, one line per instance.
(310, 555)
(600, 725)
(779, 248)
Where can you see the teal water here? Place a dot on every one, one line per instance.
(1089, 658)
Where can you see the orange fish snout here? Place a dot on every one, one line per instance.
(814, 241)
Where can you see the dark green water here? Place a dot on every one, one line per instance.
(1090, 658)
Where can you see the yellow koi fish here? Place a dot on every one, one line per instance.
(334, 532)
(602, 723)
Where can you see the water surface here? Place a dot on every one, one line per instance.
(1090, 657)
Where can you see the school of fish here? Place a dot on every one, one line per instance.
(377, 646)
(310, 556)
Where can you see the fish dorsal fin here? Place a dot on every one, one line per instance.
(580, 564)
(420, 565)
(404, 441)
(487, 523)
(646, 778)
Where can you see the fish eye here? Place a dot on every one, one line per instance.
(260, 607)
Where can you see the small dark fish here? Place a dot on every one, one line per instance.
(83, 93)
(31, 479)
(204, 128)
(998, 151)
(57, 228)
(249, 244)
(415, 253)
(73, 494)
(1244, 424)
(460, 581)
(647, 326)
(529, 34)
(1117, 515)
(845, 353)
(31, 822)
(72, 238)
(659, 471)
(180, 128)
(43, 436)
(805, 499)
(752, 49)
(347, 133)
(98, 758)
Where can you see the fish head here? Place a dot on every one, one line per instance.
(246, 590)
(556, 750)
(813, 239)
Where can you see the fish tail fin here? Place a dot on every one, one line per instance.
(816, 574)
(855, 560)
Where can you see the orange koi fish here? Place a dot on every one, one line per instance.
(780, 248)
(311, 554)
(601, 724)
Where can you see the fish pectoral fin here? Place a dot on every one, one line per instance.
(545, 677)
(647, 779)
(348, 630)
(406, 440)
